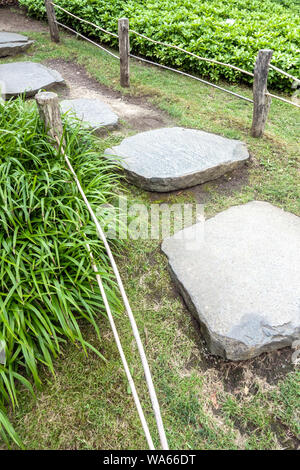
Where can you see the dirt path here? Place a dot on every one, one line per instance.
(15, 20)
(136, 113)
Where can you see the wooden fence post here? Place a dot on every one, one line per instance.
(49, 110)
(123, 29)
(261, 102)
(54, 32)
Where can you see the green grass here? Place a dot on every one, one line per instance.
(47, 282)
(206, 403)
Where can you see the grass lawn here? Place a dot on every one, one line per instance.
(207, 403)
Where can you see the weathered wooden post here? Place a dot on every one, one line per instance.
(123, 29)
(53, 26)
(48, 106)
(261, 102)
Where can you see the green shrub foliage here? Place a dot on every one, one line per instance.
(199, 26)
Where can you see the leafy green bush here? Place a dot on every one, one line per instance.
(200, 27)
(292, 4)
(47, 282)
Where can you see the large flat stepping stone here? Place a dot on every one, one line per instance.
(239, 273)
(13, 44)
(94, 114)
(175, 158)
(27, 78)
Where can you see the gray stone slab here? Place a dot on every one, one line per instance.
(27, 78)
(11, 37)
(13, 44)
(239, 273)
(14, 48)
(173, 158)
(94, 114)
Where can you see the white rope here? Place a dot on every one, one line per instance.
(192, 54)
(282, 99)
(191, 76)
(154, 401)
(87, 39)
(85, 21)
(284, 73)
(121, 352)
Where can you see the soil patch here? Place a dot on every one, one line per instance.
(137, 116)
(15, 20)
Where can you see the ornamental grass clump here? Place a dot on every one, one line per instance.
(47, 282)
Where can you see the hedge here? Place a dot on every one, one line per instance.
(199, 26)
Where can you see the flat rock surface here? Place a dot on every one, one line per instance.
(13, 44)
(27, 77)
(239, 273)
(174, 158)
(11, 37)
(94, 114)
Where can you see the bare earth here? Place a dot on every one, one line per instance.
(13, 20)
(137, 116)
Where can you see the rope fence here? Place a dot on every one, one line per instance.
(261, 96)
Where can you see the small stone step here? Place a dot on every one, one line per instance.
(174, 158)
(11, 37)
(94, 114)
(12, 44)
(239, 273)
(27, 78)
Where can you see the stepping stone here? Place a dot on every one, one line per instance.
(27, 78)
(175, 158)
(239, 274)
(13, 44)
(94, 114)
